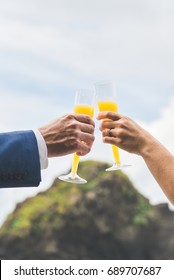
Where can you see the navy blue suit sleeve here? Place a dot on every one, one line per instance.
(19, 160)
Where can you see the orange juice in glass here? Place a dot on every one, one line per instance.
(84, 104)
(106, 96)
(86, 110)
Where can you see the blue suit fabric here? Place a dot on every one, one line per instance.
(19, 160)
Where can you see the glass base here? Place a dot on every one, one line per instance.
(117, 167)
(70, 178)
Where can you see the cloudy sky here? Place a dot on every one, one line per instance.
(50, 48)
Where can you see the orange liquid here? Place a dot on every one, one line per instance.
(113, 107)
(86, 110)
(107, 106)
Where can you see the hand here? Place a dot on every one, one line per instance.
(68, 134)
(123, 132)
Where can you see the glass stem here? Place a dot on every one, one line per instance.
(75, 164)
(116, 154)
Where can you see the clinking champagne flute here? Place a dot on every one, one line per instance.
(106, 98)
(84, 104)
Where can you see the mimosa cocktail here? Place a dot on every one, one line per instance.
(106, 102)
(86, 110)
(84, 104)
(113, 107)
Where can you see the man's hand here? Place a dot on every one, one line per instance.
(68, 134)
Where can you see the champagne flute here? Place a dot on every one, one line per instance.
(106, 97)
(84, 104)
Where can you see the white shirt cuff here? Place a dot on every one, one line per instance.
(42, 148)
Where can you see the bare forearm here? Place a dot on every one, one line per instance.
(161, 164)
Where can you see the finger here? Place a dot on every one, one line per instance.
(86, 128)
(109, 133)
(109, 115)
(87, 138)
(107, 125)
(84, 147)
(84, 119)
(111, 140)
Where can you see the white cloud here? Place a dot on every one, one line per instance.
(114, 38)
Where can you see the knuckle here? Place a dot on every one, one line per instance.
(74, 126)
(76, 134)
(88, 118)
(119, 140)
(76, 144)
(121, 123)
(69, 116)
(93, 138)
(120, 134)
(107, 114)
(93, 130)
(125, 120)
(104, 133)
(88, 149)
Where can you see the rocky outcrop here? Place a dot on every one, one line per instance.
(107, 218)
